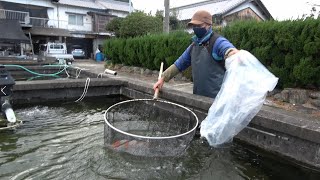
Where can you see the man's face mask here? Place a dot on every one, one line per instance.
(199, 31)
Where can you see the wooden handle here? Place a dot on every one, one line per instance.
(156, 92)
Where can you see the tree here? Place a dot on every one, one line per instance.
(114, 26)
(159, 14)
(174, 22)
(138, 24)
(314, 13)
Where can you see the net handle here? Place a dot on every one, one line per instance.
(156, 92)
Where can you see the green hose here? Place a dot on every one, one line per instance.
(36, 77)
(38, 74)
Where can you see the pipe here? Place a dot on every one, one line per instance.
(7, 109)
(108, 71)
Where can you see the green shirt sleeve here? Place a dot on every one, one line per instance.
(170, 72)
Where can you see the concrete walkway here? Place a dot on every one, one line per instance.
(98, 67)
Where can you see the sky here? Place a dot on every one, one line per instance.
(279, 9)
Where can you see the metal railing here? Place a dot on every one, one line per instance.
(39, 22)
(22, 17)
(61, 24)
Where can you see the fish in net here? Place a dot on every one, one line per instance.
(149, 127)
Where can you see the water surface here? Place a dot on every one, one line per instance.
(65, 141)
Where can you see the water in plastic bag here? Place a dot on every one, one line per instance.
(243, 92)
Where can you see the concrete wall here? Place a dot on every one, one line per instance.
(60, 14)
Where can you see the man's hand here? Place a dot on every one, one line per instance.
(234, 51)
(231, 52)
(158, 84)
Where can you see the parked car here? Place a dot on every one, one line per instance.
(78, 52)
(57, 51)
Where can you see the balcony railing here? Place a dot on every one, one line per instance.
(52, 23)
(39, 22)
(22, 17)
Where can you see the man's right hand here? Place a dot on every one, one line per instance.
(158, 84)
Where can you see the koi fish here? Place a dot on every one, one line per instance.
(125, 145)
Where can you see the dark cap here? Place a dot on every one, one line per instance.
(201, 17)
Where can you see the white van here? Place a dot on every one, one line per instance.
(56, 50)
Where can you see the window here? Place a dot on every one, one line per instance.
(56, 46)
(75, 19)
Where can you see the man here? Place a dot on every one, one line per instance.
(206, 55)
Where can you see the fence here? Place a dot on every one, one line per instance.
(23, 17)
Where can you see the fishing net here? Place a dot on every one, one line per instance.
(152, 128)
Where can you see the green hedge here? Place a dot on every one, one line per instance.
(147, 51)
(289, 49)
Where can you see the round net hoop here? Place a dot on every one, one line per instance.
(149, 127)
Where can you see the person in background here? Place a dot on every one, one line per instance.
(206, 55)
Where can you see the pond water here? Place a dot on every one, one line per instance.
(66, 141)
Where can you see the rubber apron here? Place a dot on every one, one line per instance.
(207, 74)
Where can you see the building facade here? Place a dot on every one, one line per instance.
(225, 11)
(75, 22)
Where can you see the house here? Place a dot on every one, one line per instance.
(225, 11)
(75, 22)
(11, 38)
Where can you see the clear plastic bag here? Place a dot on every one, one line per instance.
(240, 98)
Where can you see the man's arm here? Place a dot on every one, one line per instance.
(223, 48)
(182, 63)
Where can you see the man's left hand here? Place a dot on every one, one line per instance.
(231, 52)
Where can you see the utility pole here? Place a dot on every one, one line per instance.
(130, 7)
(166, 16)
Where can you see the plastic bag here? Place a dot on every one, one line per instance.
(240, 98)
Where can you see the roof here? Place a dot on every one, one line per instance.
(215, 7)
(10, 31)
(115, 5)
(100, 13)
(98, 4)
(82, 3)
(49, 31)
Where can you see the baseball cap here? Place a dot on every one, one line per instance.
(201, 17)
